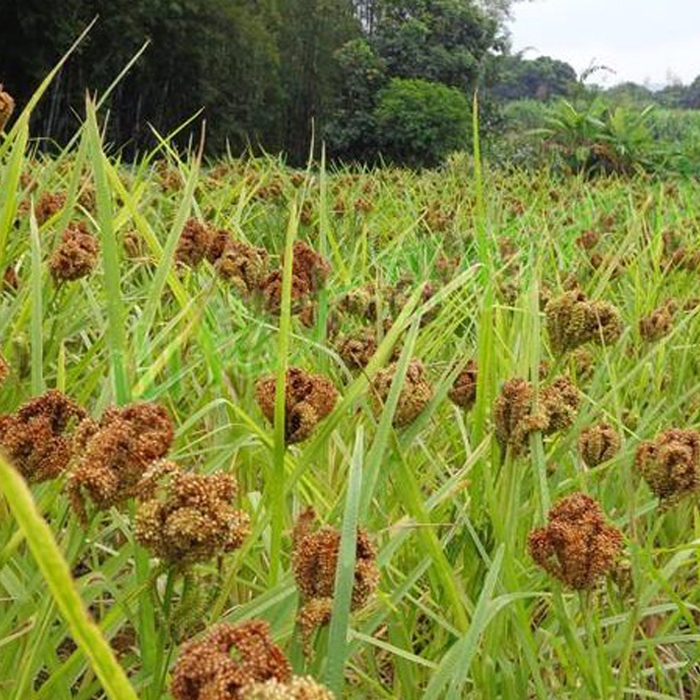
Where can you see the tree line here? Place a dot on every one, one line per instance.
(369, 78)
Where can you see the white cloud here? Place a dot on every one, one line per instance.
(640, 39)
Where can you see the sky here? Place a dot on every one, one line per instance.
(646, 41)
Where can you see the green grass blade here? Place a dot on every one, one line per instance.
(57, 576)
(345, 574)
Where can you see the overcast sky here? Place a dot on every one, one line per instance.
(643, 40)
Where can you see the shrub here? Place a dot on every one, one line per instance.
(419, 122)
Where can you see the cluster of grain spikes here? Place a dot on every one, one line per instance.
(598, 444)
(670, 464)
(573, 320)
(314, 560)
(185, 518)
(415, 395)
(240, 662)
(518, 412)
(310, 270)
(463, 391)
(38, 437)
(309, 398)
(577, 546)
(114, 454)
(76, 256)
(7, 107)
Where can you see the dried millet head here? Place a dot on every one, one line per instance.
(49, 204)
(357, 350)
(572, 320)
(272, 291)
(116, 452)
(314, 561)
(37, 438)
(560, 401)
(76, 256)
(309, 265)
(658, 323)
(598, 444)
(218, 243)
(7, 107)
(415, 394)
(186, 518)
(514, 415)
(309, 398)
(671, 464)
(588, 240)
(193, 244)
(299, 688)
(242, 265)
(463, 391)
(227, 660)
(362, 302)
(577, 546)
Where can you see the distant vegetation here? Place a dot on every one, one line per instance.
(375, 81)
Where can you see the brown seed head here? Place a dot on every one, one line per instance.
(242, 265)
(7, 106)
(228, 659)
(187, 518)
(415, 394)
(315, 559)
(517, 414)
(588, 240)
(658, 323)
(309, 398)
(194, 243)
(357, 350)
(272, 291)
(115, 453)
(598, 444)
(572, 320)
(671, 464)
(308, 265)
(577, 546)
(37, 438)
(560, 402)
(76, 256)
(463, 391)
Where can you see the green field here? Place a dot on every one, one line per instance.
(442, 267)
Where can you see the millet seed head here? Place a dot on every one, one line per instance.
(7, 107)
(37, 438)
(572, 320)
(463, 391)
(272, 291)
(309, 265)
(314, 561)
(357, 350)
(598, 444)
(194, 243)
(670, 464)
(242, 265)
(76, 255)
(185, 518)
(116, 452)
(415, 395)
(309, 398)
(577, 546)
(658, 323)
(227, 660)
